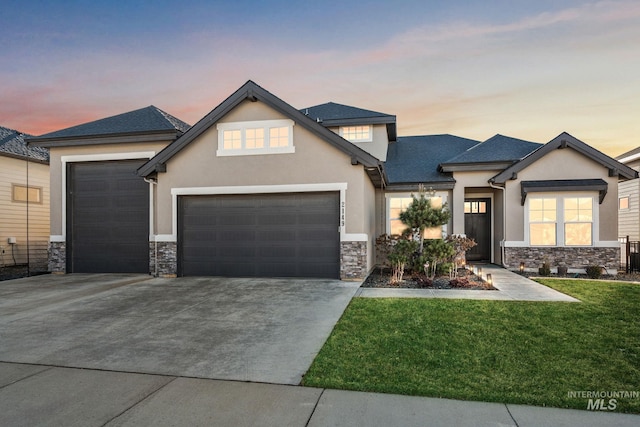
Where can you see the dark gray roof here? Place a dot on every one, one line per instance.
(498, 148)
(332, 111)
(12, 144)
(144, 120)
(415, 159)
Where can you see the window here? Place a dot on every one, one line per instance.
(623, 203)
(260, 137)
(400, 204)
(22, 193)
(357, 133)
(542, 222)
(578, 218)
(561, 221)
(475, 207)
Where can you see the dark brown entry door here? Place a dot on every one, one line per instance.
(260, 235)
(477, 226)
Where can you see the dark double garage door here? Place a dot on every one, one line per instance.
(259, 235)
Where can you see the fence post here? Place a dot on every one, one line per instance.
(627, 255)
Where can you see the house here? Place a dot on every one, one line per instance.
(260, 188)
(24, 201)
(629, 199)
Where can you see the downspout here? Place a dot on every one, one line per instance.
(504, 221)
(153, 182)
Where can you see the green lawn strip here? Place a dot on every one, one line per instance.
(498, 351)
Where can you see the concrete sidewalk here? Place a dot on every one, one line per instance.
(511, 287)
(37, 395)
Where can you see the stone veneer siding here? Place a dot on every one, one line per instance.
(57, 257)
(579, 257)
(166, 261)
(353, 260)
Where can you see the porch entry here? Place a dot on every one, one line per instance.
(477, 226)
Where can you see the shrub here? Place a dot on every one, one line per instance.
(401, 253)
(594, 271)
(545, 270)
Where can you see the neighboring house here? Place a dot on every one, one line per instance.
(629, 199)
(259, 188)
(24, 201)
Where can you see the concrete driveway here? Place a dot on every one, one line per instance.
(261, 330)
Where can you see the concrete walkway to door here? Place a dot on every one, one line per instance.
(511, 287)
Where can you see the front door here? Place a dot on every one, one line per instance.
(477, 226)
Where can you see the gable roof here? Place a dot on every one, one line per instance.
(148, 120)
(562, 141)
(498, 151)
(629, 156)
(12, 144)
(333, 114)
(251, 91)
(415, 159)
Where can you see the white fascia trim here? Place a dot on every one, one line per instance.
(258, 189)
(354, 237)
(629, 158)
(98, 158)
(57, 238)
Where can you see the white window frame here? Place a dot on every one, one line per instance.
(344, 133)
(266, 125)
(560, 219)
(389, 196)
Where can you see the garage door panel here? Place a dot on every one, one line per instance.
(108, 218)
(270, 235)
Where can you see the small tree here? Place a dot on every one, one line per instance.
(420, 215)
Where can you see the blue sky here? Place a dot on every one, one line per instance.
(527, 69)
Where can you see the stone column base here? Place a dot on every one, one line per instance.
(353, 260)
(57, 253)
(163, 259)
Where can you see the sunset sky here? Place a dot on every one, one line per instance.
(473, 68)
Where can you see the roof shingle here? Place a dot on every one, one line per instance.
(12, 144)
(498, 148)
(148, 119)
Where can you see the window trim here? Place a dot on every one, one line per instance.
(27, 187)
(389, 196)
(266, 125)
(369, 139)
(560, 219)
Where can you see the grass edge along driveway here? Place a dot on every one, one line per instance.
(534, 353)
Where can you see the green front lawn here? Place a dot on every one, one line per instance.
(497, 351)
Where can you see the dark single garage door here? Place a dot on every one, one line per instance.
(260, 235)
(107, 218)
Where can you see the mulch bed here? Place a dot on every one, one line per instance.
(381, 278)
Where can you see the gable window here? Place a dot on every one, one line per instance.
(357, 133)
(22, 193)
(623, 203)
(258, 137)
(561, 221)
(396, 205)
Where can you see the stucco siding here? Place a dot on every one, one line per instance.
(379, 144)
(13, 214)
(314, 161)
(96, 151)
(560, 165)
